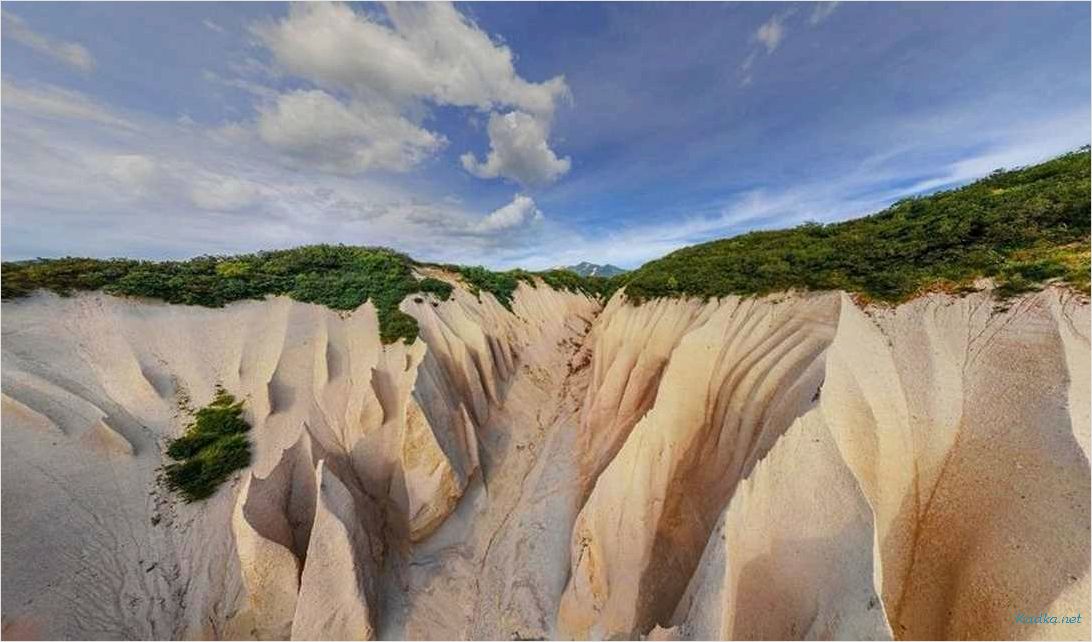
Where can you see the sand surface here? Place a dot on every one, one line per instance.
(792, 466)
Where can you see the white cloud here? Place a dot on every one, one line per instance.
(822, 12)
(377, 80)
(518, 150)
(82, 186)
(139, 174)
(61, 194)
(314, 126)
(768, 36)
(69, 53)
(520, 212)
(223, 193)
(45, 101)
(431, 51)
(242, 84)
(212, 26)
(771, 32)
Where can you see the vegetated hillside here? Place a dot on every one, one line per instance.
(503, 284)
(1022, 228)
(338, 276)
(592, 269)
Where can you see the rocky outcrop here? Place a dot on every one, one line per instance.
(792, 555)
(338, 586)
(734, 383)
(943, 410)
(789, 466)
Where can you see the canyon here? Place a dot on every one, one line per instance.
(795, 465)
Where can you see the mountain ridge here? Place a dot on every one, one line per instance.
(586, 268)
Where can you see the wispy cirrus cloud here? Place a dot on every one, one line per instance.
(48, 101)
(770, 34)
(72, 54)
(822, 11)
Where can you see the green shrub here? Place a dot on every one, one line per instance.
(213, 447)
(502, 285)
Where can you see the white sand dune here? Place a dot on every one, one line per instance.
(791, 466)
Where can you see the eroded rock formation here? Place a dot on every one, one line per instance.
(791, 466)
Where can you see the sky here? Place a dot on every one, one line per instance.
(510, 134)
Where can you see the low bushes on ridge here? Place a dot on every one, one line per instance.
(337, 276)
(1021, 228)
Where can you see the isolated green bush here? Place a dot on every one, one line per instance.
(214, 446)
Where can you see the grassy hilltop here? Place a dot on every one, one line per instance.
(338, 276)
(1023, 228)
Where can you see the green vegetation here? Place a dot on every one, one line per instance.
(339, 277)
(1022, 228)
(593, 286)
(213, 446)
(502, 285)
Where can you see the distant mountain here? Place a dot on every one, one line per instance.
(591, 269)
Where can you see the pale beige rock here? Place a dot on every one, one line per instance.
(263, 540)
(792, 556)
(338, 581)
(956, 418)
(15, 411)
(733, 384)
(663, 471)
(102, 438)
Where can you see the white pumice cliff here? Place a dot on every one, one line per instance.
(791, 466)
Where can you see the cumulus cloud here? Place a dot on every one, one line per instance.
(521, 212)
(315, 127)
(69, 53)
(430, 51)
(518, 150)
(376, 80)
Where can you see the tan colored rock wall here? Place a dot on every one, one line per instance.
(964, 426)
(790, 466)
(95, 385)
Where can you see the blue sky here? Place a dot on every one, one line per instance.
(507, 134)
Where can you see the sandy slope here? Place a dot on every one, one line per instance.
(791, 466)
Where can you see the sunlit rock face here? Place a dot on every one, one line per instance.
(790, 466)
